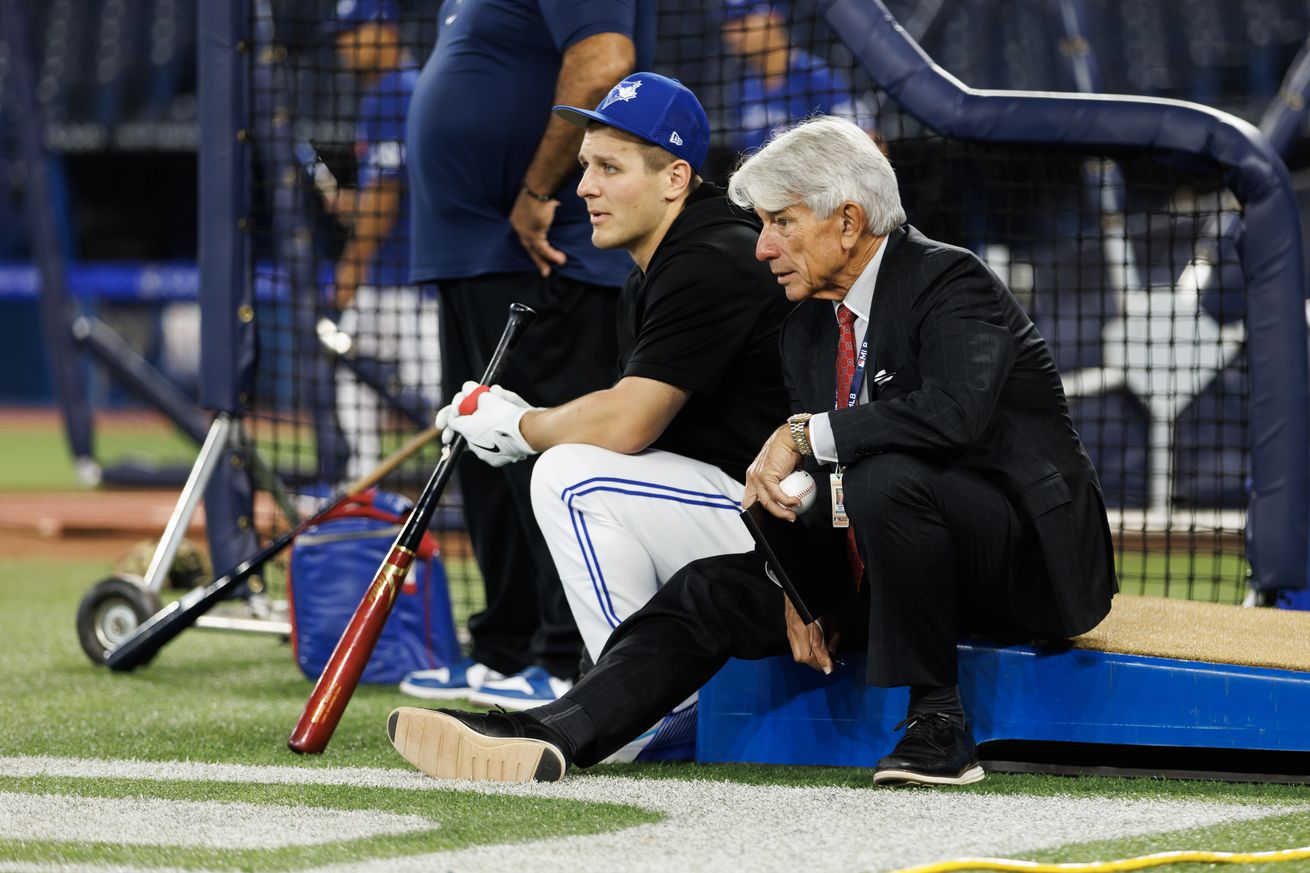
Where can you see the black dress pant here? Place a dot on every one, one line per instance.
(570, 350)
(938, 544)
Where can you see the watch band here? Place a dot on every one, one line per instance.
(796, 426)
(540, 198)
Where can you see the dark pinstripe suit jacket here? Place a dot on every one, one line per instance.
(958, 372)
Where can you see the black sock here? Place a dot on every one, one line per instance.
(925, 699)
(553, 731)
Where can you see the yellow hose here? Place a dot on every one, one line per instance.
(1139, 863)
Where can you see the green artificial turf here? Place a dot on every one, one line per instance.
(206, 696)
(217, 697)
(1275, 833)
(1201, 575)
(459, 819)
(39, 458)
(222, 697)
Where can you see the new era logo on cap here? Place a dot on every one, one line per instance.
(655, 108)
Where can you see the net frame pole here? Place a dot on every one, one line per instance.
(227, 304)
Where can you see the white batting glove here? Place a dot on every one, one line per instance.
(444, 413)
(492, 430)
(509, 395)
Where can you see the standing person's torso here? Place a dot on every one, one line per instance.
(480, 109)
(706, 317)
(381, 155)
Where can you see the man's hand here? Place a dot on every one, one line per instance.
(531, 219)
(492, 430)
(808, 646)
(444, 413)
(347, 282)
(777, 458)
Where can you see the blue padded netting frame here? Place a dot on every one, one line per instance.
(1279, 504)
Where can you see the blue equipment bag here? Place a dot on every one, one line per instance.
(332, 564)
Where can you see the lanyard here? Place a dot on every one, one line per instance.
(857, 378)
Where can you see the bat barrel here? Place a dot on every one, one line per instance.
(340, 677)
(327, 702)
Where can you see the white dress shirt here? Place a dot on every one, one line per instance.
(859, 299)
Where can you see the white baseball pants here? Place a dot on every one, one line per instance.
(619, 526)
(391, 323)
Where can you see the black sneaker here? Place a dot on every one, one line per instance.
(937, 749)
(490, 746)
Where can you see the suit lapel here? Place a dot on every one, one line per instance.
(884, 339)
(811, 352)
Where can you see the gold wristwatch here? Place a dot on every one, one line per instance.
(796, 426)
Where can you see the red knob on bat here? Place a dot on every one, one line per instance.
(469, 404)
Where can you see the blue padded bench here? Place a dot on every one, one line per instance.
(777, 712)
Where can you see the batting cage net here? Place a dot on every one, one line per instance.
(1124, 258)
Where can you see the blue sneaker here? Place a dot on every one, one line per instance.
(673, 738)
(524, 690)
(460, 679)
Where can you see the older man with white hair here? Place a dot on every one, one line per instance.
(960, 499)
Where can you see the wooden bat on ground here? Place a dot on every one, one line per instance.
(146, 641)
(339, 678)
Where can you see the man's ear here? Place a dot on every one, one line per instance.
(853, 222)
(678, 179)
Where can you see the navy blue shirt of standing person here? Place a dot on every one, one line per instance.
(480, 108)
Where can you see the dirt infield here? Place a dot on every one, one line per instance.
(90, 524)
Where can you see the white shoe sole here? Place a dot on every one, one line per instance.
(436, 693)
(490, 698)
(909, 777)
(443, 747)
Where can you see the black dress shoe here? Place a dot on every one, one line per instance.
(487, 746)
(937, 749)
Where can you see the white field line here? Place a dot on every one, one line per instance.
(209, 824)
(724, 826)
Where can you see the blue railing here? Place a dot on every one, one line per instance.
(1279, 506)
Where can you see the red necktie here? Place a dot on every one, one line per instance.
(845, 374)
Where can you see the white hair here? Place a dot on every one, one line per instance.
(822, 163)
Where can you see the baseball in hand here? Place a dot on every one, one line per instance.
(800, 484)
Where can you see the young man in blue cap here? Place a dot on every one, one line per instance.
(646, 476)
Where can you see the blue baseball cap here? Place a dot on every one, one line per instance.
(735, 10)
(353, 13)
(655, 108)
